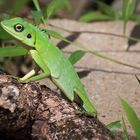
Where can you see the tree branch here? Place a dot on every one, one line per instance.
(30, 111)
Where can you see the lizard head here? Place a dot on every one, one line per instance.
(21, 30)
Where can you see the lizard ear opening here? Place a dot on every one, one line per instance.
(29, 36)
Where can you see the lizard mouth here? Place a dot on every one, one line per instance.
(8, 29)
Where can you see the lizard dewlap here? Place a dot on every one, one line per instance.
(51, 61)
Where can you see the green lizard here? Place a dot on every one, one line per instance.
(50, 60)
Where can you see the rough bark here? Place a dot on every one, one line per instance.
(30, 111)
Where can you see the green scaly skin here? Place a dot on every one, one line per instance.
(50, 59)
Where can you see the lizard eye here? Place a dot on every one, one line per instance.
(18, 27)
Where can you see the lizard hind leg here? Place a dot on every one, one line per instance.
(78, 100)
(84, 102)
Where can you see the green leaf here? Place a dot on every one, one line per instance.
(36, 3)
(128, 10)
(125, 132)
(94, 16)
(76, 56)
(132, 117)
(12, 51)
(136, 18)
(114, 126)
(4, 34)
(37, 15)
(2, 2)
(57, 35)
(39, 12)
(107, 9)
(55, 6)
(54, 34)
(18, 5)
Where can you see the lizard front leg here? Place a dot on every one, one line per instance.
(29, 74)
(38, 77)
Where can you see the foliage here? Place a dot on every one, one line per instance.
(128, 10)
(109, 13)
(132, 117)
(114, 126)
(55, 6)
(76, 56)
(92, 16)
